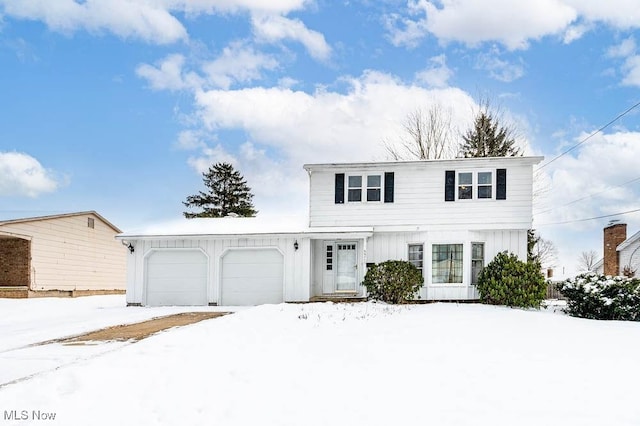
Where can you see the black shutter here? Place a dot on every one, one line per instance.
(450, 185)
(339, 188)
(501, 184)
(388, 187)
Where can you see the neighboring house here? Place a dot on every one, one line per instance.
(65, 254)
(621, 254)
(447, 217)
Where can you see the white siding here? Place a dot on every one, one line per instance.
(296, 262)
(630, 256)
(66, 254)
(419, 197)
(394, 246)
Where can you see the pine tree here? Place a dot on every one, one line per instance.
(488, 139)
(227, 193)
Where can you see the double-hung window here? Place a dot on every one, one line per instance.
(355, 189)
(485, 183)
(465, 186)
(446, 264)
(374, 187)
(477, 261)
(416, 255)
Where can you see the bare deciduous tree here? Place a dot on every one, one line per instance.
(427, 135)
(545, 252)
(587, 260)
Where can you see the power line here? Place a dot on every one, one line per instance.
(591, 135)
(588, 196)
(589, 218)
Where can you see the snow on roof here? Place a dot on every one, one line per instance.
(626, 243)
(223, 226)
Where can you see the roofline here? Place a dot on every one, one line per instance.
(626, 243)
(309, 233)
(528, 160)
(58, 216)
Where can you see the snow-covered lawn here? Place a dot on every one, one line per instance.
(362, 364)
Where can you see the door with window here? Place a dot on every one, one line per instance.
(341, 267)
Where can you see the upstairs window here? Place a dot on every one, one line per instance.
(374, 187)
(465, 186)
(485, 183)
(91, 223)
(355, 189)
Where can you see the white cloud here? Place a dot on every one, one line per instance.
(438, 74)
(626, 48)
(514, 24)
(238, 63)
(145, 20)
(153, 21)
(599, 167)
(630, 67)
(499, 69)
(169, 74)
(275, 28)
(23, 175)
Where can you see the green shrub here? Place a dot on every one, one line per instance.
(603, 297)
(393, 281)
(506, 280)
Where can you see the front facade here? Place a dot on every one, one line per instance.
(447, 217)
(74, 253)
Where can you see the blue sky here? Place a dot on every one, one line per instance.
(119, 105)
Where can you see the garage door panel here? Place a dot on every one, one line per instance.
(252, 277)
(177, 277)
(240, 270)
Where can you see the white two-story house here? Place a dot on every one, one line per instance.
(447, 217)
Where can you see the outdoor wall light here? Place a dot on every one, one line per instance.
(295, 245)
(129, 246)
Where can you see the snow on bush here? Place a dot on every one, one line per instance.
(393, 281)
(596, 296)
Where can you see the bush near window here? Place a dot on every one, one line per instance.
(603, 297)
(506, 280)
(393, 281)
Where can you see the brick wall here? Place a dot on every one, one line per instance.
(614, 235)
(15, 262)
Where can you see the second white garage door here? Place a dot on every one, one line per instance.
(252, 277)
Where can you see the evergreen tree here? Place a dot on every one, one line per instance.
(488, 139)
(227, 193)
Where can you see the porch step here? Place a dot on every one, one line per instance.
(14, 292)
(338, 299)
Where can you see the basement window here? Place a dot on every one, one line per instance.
(91, 223)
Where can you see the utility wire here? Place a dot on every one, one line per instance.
(588, 196)
(589, 218)
(591, 135)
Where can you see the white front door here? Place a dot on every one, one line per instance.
(346, 266)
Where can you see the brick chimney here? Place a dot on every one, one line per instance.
(614, 235)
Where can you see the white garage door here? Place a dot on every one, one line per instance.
(252, 277)
(176, 277)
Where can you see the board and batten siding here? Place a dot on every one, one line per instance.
(384, 246)
(66, 254)
(630, 256)
(419, 197)
(296, 262)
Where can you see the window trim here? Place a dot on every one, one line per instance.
(475, 184)
(472, 281)
(422, 244)
(364, 187)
